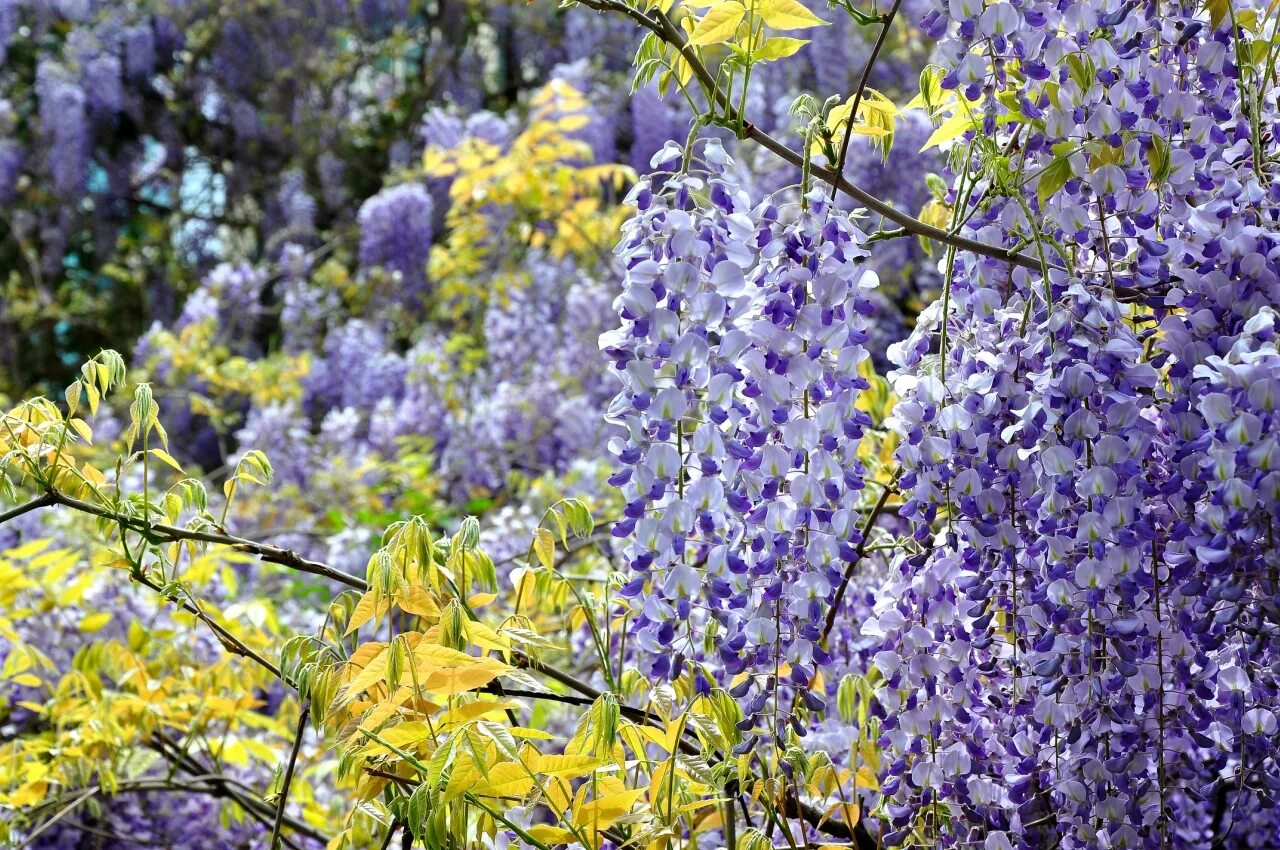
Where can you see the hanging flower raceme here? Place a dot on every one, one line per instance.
(742, 335)
(1016, 649)
(1082, 654)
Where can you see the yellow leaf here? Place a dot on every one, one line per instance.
(418, 601)
(93, 622)
(457, 680)
(779, 47)
(369, 786)
(364, 611)
(479, 600)
(505, 780)
(433, 655)
(375, 671)
(953, 127)
(787, 15)
(866, 778)
(544, 546)
(659, 787)
(464, 777)
(700, 804)
(719, 24)
(29, 794)
(27, 680)
(27, 550)
(82, 428)
(573, 122)
(472, 710)
(167, 458)
(530, 734)
(551, 834)
(567, 767)
(601, 812)
(526, 585)
(559, 795)
(484, 637)
(442, 670)
(402, 737)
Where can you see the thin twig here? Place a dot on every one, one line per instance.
(35, 833)
(26, 507)
(232, 643)
(862, 86)
(273, 554)
(859, 553)
(288, 774)
(225, 786)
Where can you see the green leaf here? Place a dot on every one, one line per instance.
(419, 810)
(1217, 10)
(931, 92)
(579, 516)
(168, 459)
(847, 699)
(1053, 178)
(937, 186)
(1158, 157)
(719, 24)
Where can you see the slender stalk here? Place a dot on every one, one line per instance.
(288, 774)
(169, 533)
(859, 553)
(71, 807)
(232, 643)
(292, 560)
(217, 785)
(862, 85)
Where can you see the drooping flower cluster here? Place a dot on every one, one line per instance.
(1080, 651)
(395, 233)
(743, 331)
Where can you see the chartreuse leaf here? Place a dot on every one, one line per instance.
(168, 459)
(94, 622)
(404, 736)
(564, 766)
(1053, 178)
(787, 15)
(366, 609)
(719, 24)
(779, 47)
(601, 812)
(544, 547)
(548, 834)
(507, 779)
(1217, 10)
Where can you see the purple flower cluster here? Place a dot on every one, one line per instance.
(1080, 649)
(743, 329)
(64, 126)
(655, 120)
(396, 227)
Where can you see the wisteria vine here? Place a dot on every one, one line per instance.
(1077, 636)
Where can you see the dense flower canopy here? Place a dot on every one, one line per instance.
(640, 424)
